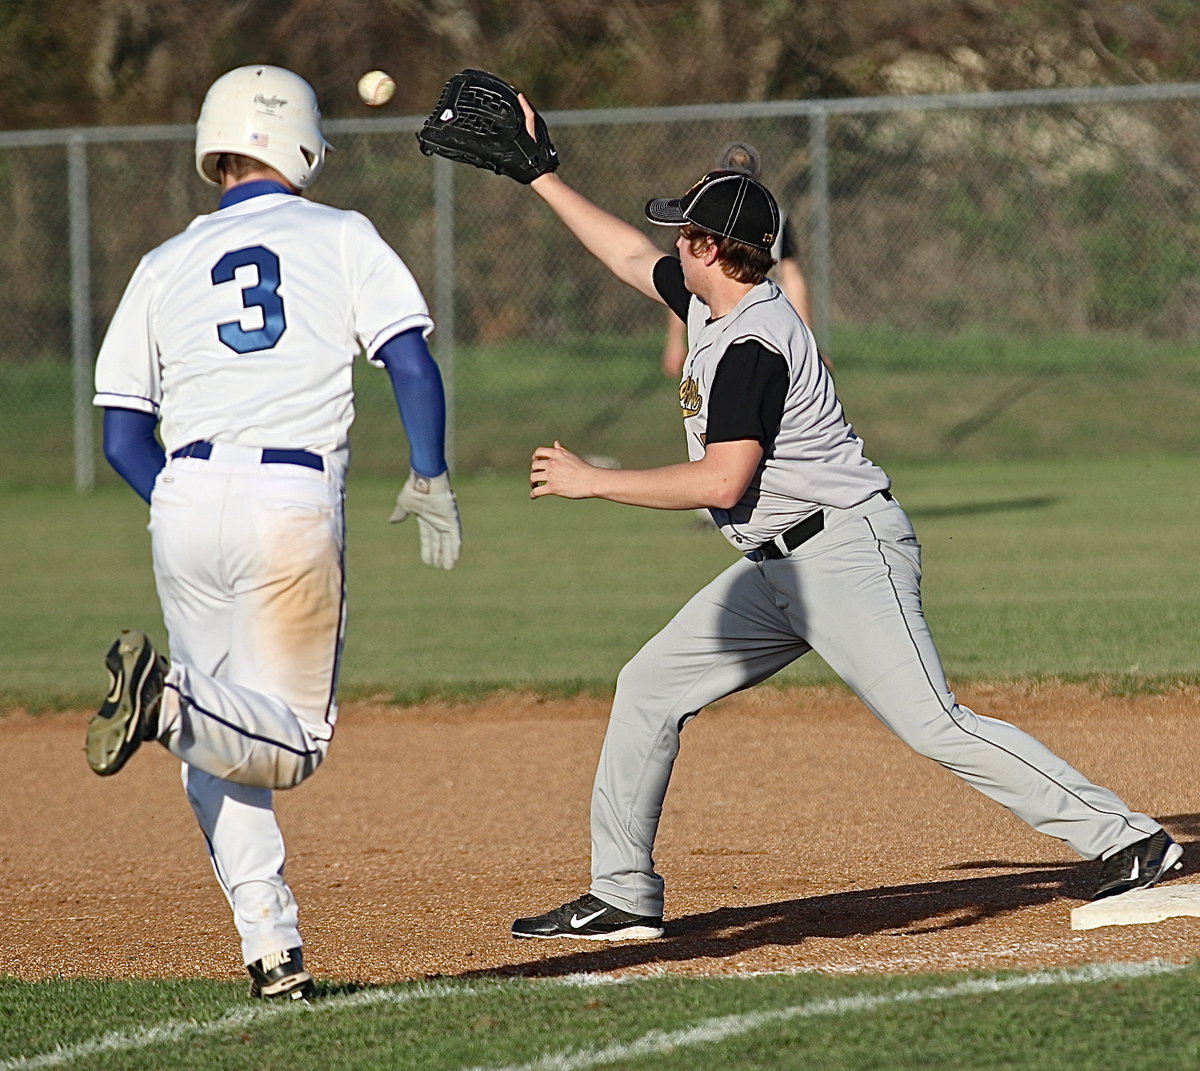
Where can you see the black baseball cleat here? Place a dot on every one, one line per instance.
(590, 919)
(129, 714)
(1139, 866)
(280, 976)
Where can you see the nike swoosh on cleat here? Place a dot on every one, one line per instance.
(577, 922)
(114, 693)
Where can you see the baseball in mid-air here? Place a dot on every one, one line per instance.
(376, 88)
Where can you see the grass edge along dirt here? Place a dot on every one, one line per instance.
(1084, 1017)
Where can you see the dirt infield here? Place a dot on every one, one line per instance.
(798, 835)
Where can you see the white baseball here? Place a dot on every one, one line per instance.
(376, 88)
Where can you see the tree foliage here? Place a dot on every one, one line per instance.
(87, 62)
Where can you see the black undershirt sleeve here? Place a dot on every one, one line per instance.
(787, 247)
(750, 384)
(668, 281)
(747, 395)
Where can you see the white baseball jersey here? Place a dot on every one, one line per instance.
(240, 335)
(212, 315)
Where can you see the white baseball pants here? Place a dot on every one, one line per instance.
(248, 559)
(852, 594)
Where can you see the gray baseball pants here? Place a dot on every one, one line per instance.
(852, 593)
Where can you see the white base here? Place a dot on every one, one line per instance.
(1139, 906)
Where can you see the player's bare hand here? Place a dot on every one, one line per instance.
(556, 471)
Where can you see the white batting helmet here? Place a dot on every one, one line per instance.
(266, 113)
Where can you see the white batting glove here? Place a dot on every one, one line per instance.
(436, 509)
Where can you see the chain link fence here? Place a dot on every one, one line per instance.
(993, 275)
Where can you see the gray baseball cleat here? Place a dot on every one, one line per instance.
(280, 975)
(129, 713)
(1139, 866)
(590, 919)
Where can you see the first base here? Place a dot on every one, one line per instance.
(1141, 905)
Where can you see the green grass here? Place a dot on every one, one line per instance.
(1034, 568)
(1077, 1018)
(1064, 569)
(914, 396)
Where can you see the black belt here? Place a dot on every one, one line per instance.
(269, 456)
(800, 533)
(794, 536)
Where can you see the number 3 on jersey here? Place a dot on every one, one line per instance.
(262, 295)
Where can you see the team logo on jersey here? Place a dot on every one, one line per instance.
(689, 397)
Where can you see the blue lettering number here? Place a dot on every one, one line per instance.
(263, 295)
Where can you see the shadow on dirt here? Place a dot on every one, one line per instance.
(899, 909)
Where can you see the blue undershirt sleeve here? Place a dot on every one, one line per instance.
(132, 448)
(420, 397)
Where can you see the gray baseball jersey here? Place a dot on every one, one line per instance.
(836, 569)
(815, 458)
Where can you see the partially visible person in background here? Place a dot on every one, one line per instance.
(739, 156)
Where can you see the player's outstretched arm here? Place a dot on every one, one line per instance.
(480, 119)
(621, 248)
(628, 253)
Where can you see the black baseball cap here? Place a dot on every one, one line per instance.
(727, 203)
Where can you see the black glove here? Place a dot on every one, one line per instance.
(478, 120)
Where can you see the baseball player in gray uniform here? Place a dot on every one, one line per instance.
(741, 156)
(236, 340)
(828, 561)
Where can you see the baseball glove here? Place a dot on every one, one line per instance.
(478, 120)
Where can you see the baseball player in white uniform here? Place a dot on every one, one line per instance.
(828, 561)
(235, 339)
